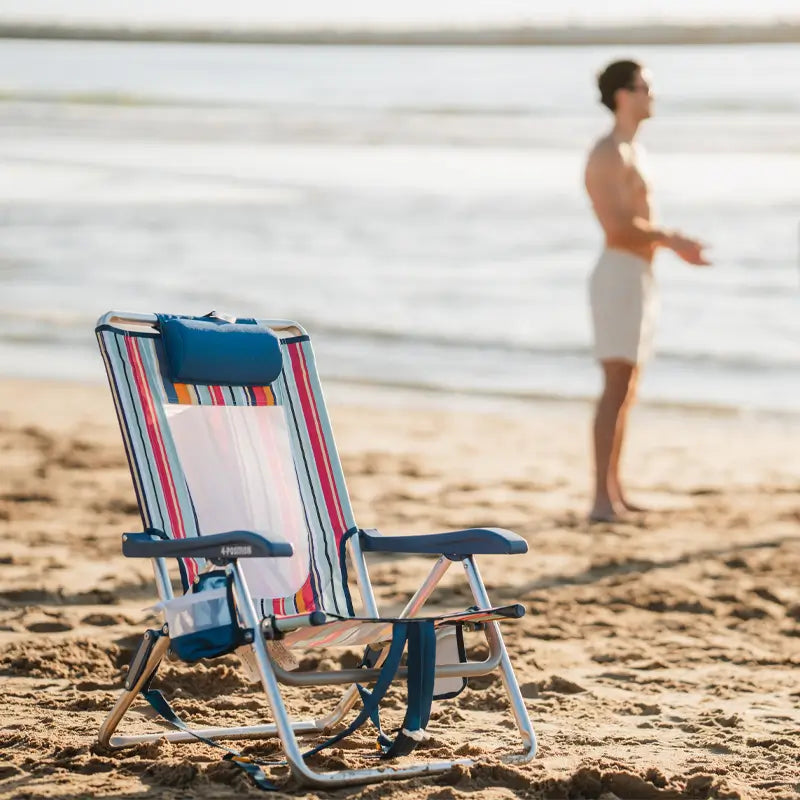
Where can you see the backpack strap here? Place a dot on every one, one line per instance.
(371, 700)
(421, 676)
(420, 635)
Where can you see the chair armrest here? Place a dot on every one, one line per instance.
(469, 542)
(216, 546)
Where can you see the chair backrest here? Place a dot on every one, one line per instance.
(145, 397)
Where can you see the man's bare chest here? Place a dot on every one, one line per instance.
(636, 183)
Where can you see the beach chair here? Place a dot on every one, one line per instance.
(237, 478)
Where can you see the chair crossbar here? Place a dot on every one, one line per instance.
(359, 632)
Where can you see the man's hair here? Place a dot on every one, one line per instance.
(618, 75)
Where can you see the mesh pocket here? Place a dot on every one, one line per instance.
(197, 611)
(202, 623)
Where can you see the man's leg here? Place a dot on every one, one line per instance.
(614, 485)
(617, 379)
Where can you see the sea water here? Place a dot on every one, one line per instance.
(420, 210)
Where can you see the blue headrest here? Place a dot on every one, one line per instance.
(212, 351)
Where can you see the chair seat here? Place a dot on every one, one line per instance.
(361, 632)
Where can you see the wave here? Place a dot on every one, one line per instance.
(728, 361)
(498, 394)
(71, 329)
(93, 98)
(779, 31)
(454, 367)
(746, 105)
(330, 118)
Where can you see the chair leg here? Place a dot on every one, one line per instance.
(129, 695)
(125, 700)
(521, 716)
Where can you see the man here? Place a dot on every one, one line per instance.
(622, 289)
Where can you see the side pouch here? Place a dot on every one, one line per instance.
(449, 650)
(203, 623)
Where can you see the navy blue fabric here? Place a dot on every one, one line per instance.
(421, 676)
(469, 542)
(212, 351)
(343, 565)
(216, 641)
(207, 643)
(372, 699)
(421, 662)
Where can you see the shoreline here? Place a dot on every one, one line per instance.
(779, 32)
(376, 394)
(495, 401)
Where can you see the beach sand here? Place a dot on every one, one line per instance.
(659, 658)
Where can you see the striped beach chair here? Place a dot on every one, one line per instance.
(238, 479)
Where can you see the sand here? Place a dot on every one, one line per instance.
(659, 658)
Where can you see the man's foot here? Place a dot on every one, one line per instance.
(611, 518)
(632, 506)
(620, 502)
(605, 512)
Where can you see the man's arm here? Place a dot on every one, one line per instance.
(605, 183)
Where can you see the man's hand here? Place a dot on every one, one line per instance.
(689, 250)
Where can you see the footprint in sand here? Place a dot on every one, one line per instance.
(9, 771)
(102, 620)
(27, 497)
(49, 626)
(561, 685)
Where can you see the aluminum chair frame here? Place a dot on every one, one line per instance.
(271, 674)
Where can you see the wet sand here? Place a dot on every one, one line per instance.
(658, 658)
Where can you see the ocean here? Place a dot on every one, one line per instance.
(420, 210)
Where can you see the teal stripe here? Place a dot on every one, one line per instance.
(203, 394)
(147, 350)
(154, 512)
(327, 432)
(320, 574)
(333, 596)
(126, 394)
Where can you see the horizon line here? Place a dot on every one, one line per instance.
(776, 32)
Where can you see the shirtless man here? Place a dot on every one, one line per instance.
(622, 289)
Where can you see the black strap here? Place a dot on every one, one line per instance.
(252, 766)
(421, 662)
(372, 699)
(421, 676)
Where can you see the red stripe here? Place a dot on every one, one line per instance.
(321, 457)
(157, 446)
(217, 397)
(260, 395)
(303, 599)
(307, 592)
